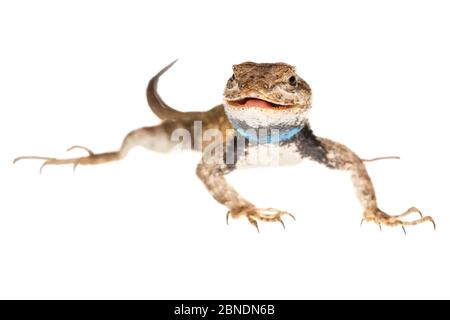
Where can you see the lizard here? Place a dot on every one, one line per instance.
(264, 105)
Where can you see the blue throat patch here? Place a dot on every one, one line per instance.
(269, 135)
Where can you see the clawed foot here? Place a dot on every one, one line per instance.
(382, 218)
(253, 214)
(90, 159)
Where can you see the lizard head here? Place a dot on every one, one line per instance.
(266, 95)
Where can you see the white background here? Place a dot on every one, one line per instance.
(76, 73)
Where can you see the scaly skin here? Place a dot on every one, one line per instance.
(257, 97)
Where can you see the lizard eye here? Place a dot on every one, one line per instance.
(230, 83)
(292, 81)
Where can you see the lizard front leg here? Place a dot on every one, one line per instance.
(212, 171)
(338, 156)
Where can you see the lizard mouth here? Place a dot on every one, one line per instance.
(256, 103)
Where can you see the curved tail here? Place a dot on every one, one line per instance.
(157, 104)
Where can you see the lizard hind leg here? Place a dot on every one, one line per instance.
(155, 138)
